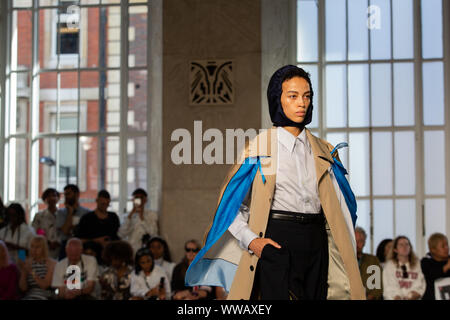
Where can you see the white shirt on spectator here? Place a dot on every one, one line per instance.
(88, 266)
(132, 229)
(46, 221)
(21, 237)
(166, 266)
(295, 185)
(395, 285)
(141, 284)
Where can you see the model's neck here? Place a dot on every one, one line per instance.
(403, 259)
(295, 131)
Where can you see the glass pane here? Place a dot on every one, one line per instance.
(405, 164)
(382, 163)
(335, 139)
(137, 36)
(335, 15)
(109, 114)
(67, 36)
(89, 91)
(435, 220)
(432, 28)
(336, 96)
(21, 40)
(68, 100)
(358, 34)
(381, 109)
(137, 100)
(95, 54)
(380, 30)
(307, 33)
(48, 82)
(22, 3)
(91, 156)
(434, 157)
(111, 166)
(113, 36)
(358, 95)
(383, 221)
(359, 163)
(363, 221)
(405, 219)
(112, 1)
(404, 94)
(137, 164)
(20, 110)
(18, 168)
(89, 1)
(433, 93)
(314, 76)
(403, 29)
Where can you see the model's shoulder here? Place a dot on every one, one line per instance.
(320, 141)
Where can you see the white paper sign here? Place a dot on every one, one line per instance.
(442, 288)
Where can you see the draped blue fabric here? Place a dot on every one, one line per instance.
(219, 272)
(340, 172)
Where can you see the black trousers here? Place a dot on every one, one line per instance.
(299, 270)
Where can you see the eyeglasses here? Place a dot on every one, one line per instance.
(405, 273)
(192, 250)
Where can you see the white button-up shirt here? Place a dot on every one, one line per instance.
(295, 185)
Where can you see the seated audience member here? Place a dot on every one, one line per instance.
(67, 218)
(37, 271)
(3, 220)
(17, 234)
(383, 250)
(94, 249)
(99, 225)
(44, 221)
(365, 261)
(161, 254)
(179, 290)
(220, 293)
(436, 263)
(139, 222)
(67, 283)
(115, 279)
(9, 275)
(148, 281)
(402, 276)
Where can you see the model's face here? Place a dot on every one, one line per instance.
(441, 250)
(360, 241)
(403, 247)
(146, 263)
(295, 98)
(36, 250)
(157, 249)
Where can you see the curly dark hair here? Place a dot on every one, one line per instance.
(48, 192)
(16, 209)
(118, 249)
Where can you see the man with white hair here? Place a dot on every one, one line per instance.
(75, 275)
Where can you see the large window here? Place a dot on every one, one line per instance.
(75, 107)
(378, 68)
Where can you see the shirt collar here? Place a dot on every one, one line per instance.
(288, 140)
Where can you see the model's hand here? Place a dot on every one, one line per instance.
(258, 244)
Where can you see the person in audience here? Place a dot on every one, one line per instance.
(67, 218)
(9, 275)
(37, 271)
(383, 250)
(179, 290)
(435, 264)
(17, 234)
(94, 249)
(366, 262)
(149, 281)
(402, 276)
(3, 219)
(161, 254)
(70, 286)
(99, 225)
(139, 222)
(115, 279)
(44, 221)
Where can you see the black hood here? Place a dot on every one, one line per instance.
(279, 119)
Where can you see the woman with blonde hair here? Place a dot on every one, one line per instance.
(37, 271)
(402, 275)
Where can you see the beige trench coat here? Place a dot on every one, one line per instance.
(344, 280)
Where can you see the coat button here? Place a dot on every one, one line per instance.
(260, 234)
(252, 268)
